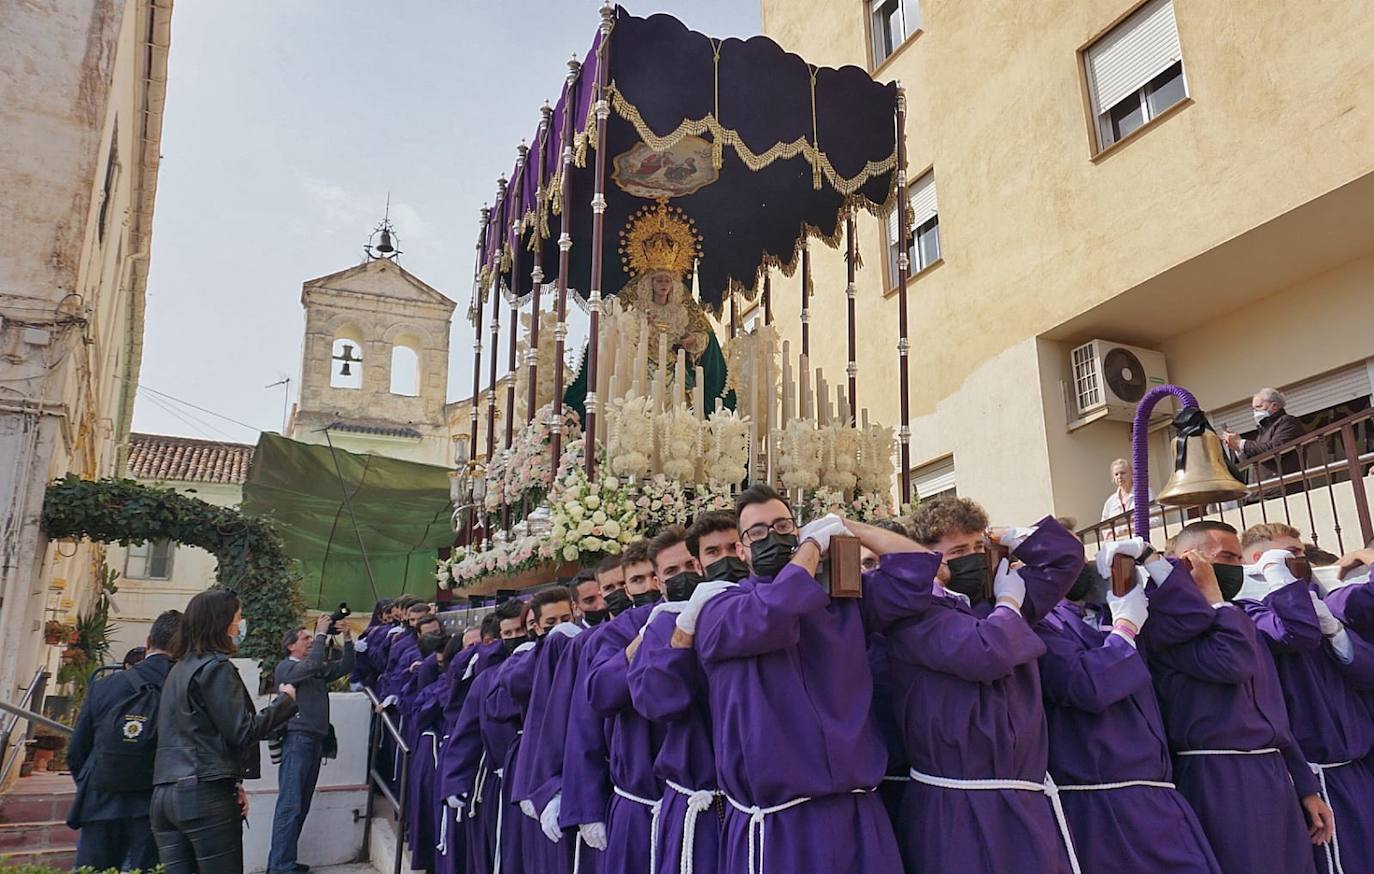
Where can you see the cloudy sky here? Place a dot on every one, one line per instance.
(287, 125)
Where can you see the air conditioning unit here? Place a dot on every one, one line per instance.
(1114, 377)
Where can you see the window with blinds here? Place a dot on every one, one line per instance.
(1330, 390)
(1135, 72)
(923, 247)
(890, 22)
(934, 479)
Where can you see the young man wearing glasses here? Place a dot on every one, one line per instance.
(786, 663)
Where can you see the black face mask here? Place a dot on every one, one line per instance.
(432, 643)
(652, 596)
(731, 568)
(510, 643)
(1230, 577)
(771, 554)
(680, 587)
(618, 602)
(968, 575)
(1085, 585)
(595, 617)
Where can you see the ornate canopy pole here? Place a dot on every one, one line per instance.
(594, 301)
(806, 300)
(851, 291)
(537, 273)
(478, 299)
(768, 298)
(903, 271)
(495, 330)
(521, 154)
(560, 328)
(734, 315)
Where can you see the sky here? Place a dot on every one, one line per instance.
(287, 125)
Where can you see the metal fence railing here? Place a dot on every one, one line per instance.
(382, 727)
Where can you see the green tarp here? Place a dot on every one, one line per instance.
(401, 510)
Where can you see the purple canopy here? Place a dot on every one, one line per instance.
(757, 147)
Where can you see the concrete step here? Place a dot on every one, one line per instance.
(34, 836)
(18, 806)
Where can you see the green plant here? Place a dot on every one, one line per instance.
(6, 868)
(251, 558)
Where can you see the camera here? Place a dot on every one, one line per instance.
(338, 616)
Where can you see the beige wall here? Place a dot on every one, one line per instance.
(1230, 225)
(81, 81)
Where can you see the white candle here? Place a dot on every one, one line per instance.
(842, 406)
(804, 377)
(865, 415)
(699, 393)
(680, 379)
(786, 382)
(641, 359)
(822, 400)
(661, 372)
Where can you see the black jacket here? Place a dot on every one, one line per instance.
(311, 676)
(92, 804)
(1277, 430)
(206, 727)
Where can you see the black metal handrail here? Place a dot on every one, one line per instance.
(376, 783)
(21, 711)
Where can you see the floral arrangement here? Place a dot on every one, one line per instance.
(630, 432)
(708, 496)
(841, 456)
(660, 501)
(524, 473)
(725, 454)
(505, 557)
(591, 518)
(679, 440)
(748, 352)
(875, 459)
(801, 455)
(865, 507)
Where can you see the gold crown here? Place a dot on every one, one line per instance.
(659, 237)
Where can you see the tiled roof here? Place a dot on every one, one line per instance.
(378, 430)
(158, 457)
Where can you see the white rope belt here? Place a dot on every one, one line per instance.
(698, 802)
(757, 815)
(1048, 787)
(1332, 848)
(1123, 784)
(1260, 752)
(654, 808)
(500, 809)
(479, 784)
(433, 745)
(896, 778)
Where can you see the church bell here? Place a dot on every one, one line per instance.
(1204, 477)
(384, 246)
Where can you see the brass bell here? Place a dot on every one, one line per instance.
(1204, 477)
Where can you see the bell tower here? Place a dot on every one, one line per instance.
(374, 364)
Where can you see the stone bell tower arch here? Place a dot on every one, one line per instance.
(374, 363)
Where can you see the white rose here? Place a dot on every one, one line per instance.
(570, 553)
(610, 482)
(585, 527)
(599, 518)
(577, 511)
(592, 544)
(613, 547)
(593, 502)
(571, 507)
(612, 528)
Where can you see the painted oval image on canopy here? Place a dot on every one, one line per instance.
(683, 168)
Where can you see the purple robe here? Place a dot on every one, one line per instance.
(969, 705)
(540, 740)
(1218, 690)
(369, 661)
(633, 743)
(893, 787)
(668, 686)
(505, 704)
(467, 773)
(1354, 605)
(790, 699)
(1105, 727)
(1328, 715)
(584, 773)
(420, 705)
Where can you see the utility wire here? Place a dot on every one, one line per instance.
(176, 414)
(254, 428)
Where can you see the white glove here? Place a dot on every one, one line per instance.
(454, 802)
(1132, 546)
(1132, 607)
(1329, 623)
(355, 687)
(360, 645)
(1014, 537)
(548, 820)
(527, 808)
(1009, 585)
(567, 629)
(593, 834)
(687, 619)
(820, 531)
(1273, 566)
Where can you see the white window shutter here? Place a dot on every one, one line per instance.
(1133, 53)
(892, 228)
(932, 479)
(923, 203)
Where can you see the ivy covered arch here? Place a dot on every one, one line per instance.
(252, 560)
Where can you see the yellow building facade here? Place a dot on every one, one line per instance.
(1194, 180)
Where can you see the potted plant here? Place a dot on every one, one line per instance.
(57, 632)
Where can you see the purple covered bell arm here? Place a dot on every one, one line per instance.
(748, 622)
(1286, 619)
(1052, 558)
(1140, 449)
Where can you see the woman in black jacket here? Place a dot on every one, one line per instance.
(207, 741)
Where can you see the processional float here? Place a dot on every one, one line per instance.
(712, 162)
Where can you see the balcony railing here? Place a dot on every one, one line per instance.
(1317, 484)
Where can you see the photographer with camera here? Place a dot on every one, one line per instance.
(308, 668)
